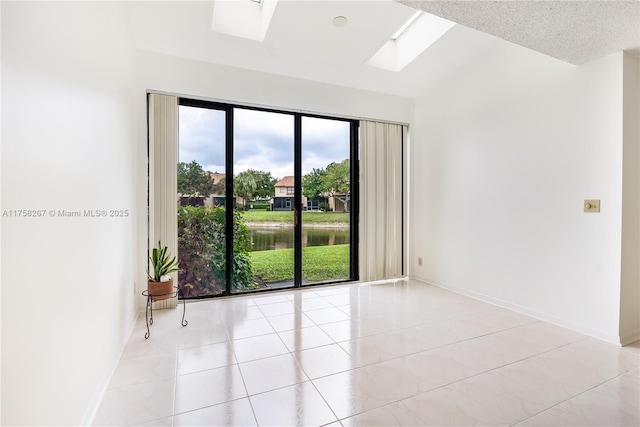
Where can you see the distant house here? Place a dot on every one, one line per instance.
(218, 198)
(216, 177)
(200, 200)
(283, 199)
(284, 193)
(337, 203)
(319, 203)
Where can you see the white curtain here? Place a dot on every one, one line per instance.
(381, 200)
(163, 186)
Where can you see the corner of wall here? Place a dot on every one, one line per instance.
(630, 260)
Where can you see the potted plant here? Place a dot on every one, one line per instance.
(160, 284)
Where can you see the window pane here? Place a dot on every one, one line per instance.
(201, 201)
(263, 188)
(326, 201)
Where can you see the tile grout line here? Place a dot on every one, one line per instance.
(453, 382)
(244, 384)
(325, 401)
(175, 386)
(575, 396)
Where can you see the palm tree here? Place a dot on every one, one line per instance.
(244, 185)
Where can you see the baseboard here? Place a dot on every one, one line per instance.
(92, 410)
(546, 317)
(379, 282)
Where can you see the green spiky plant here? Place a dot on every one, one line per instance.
(162, 263)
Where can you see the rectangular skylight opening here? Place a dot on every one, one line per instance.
(249, 19)
(414, 37)
(406, 25)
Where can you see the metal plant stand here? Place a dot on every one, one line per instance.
(149, 310)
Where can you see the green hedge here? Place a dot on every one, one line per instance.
(202, 251)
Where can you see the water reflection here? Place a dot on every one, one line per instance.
(266, 239)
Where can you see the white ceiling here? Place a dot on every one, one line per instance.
(302, 42)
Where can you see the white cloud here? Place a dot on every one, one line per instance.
(263, 140)
(202, 137)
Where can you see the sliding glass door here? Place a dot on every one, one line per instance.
(326, 200)
(266, 199)
(263, 183)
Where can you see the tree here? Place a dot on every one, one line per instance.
(245, 185)
(313, 184)
(193, 180)
(265, 184)
(337, 182)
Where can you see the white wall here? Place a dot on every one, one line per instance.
(219, 82)
(68, 131)
(504, 153)
(630, 280)
(157, 72)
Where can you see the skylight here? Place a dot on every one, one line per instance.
(413, 37)
(406, 25)
(248, 19)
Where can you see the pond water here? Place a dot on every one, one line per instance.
(267, 239)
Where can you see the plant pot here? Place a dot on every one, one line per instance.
(160, 290)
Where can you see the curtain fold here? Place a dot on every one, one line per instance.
(381, 200)
(163, 186)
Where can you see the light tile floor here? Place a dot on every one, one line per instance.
(392, 354)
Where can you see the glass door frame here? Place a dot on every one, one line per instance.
(297, 196)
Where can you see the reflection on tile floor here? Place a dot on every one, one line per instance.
(393, 354)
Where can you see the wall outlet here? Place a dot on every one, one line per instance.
(420, 261)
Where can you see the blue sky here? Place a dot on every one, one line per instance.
(263, 141)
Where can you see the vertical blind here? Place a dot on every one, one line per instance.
(381, 200)
(163, 186)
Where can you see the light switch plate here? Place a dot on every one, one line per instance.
(592, 206)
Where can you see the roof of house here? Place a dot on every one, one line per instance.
(215, 176)
(287, 181)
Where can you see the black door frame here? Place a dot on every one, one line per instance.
(297, 197)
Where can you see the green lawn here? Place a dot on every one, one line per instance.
(287, 217)
(318, 263)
